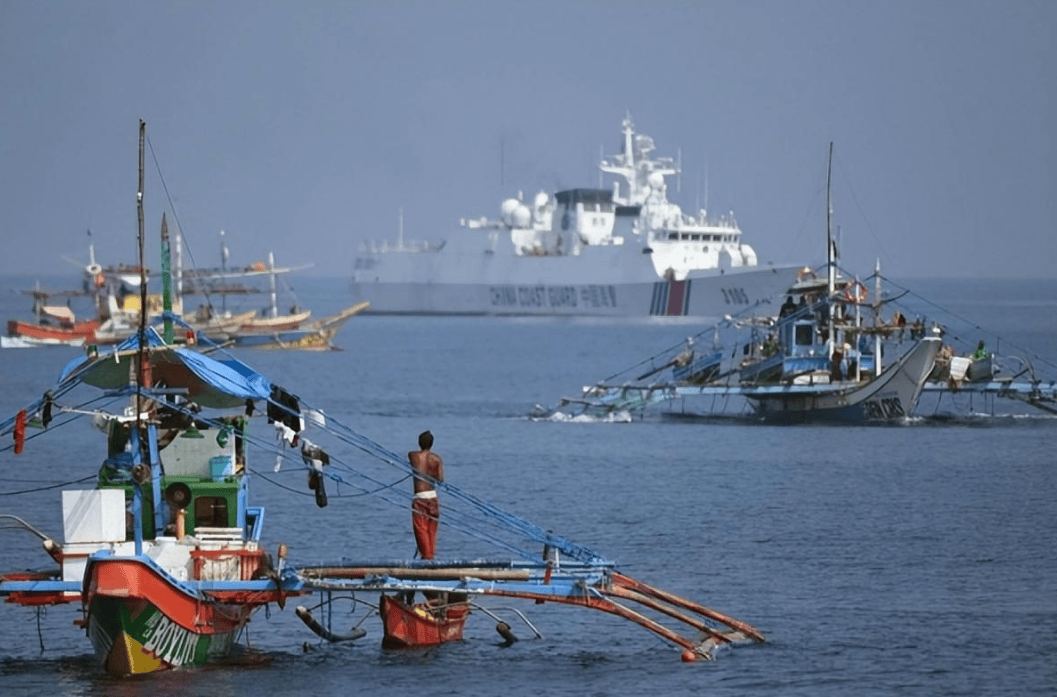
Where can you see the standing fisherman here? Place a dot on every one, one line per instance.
(425, 509)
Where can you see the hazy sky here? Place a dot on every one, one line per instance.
(304, 127)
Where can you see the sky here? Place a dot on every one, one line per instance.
(303, 128)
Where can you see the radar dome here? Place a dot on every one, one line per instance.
(507, 208)
(521, 217)
(541, 199)
(655, 180)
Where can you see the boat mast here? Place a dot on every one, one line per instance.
(831, 255)
(224, 271)
(271, 269)
(178, 265)
(166, 279)
(138, 436)
(142, 280)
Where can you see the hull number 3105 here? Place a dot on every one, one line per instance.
(735, 296)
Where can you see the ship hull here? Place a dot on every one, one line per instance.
(43, 334)
(141, 621)
(890, 397)
(700, 295)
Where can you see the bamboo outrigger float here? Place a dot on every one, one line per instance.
(165, 554)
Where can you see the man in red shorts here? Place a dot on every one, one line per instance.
(425, 509)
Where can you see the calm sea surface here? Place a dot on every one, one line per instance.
(913, 559)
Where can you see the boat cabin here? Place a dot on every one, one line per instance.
(202, 476)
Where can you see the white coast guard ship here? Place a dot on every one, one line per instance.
(625, 251)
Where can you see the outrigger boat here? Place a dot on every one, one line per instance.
(311, 336)
(165, 554)
(53, 325)
(274, 330)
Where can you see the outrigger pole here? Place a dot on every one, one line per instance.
(593, 585)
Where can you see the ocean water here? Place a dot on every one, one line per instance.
(911, 559)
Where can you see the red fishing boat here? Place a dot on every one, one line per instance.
(420, 624)
(73, 334)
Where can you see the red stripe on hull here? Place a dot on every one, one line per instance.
(676, 293)
(134, 581)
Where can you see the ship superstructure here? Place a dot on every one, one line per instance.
(624, 251)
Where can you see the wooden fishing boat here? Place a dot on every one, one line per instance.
(420, 624)
(52, 325)
(163, 554)
(46, 334)
(820, 360)
(276, 323)
(313, 336)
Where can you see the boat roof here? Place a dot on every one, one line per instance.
(217, 384)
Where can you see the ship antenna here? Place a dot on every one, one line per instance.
(679, 171)
(601, 158)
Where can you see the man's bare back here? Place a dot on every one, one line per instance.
(428, 463)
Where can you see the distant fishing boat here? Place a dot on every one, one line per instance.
(52, 325)
(823, 365)
(311, 336)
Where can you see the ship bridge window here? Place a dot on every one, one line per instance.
(673, 235)
(805, 335)
(696, 237)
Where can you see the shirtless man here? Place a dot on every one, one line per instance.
(425, 510)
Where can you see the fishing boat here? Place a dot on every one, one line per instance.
(271, 328)
(621, 251)
(43, 334)
(52, 325)
(411, 625)
(317, 335)
(820, 360)
(157, 551)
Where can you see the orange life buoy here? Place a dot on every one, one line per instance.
(856, 293)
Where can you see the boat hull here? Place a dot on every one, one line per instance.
(548, 294)
(410, 626)
(142, 621)
(75, 335)
(891, 396)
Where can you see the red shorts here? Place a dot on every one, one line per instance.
(424, 515)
